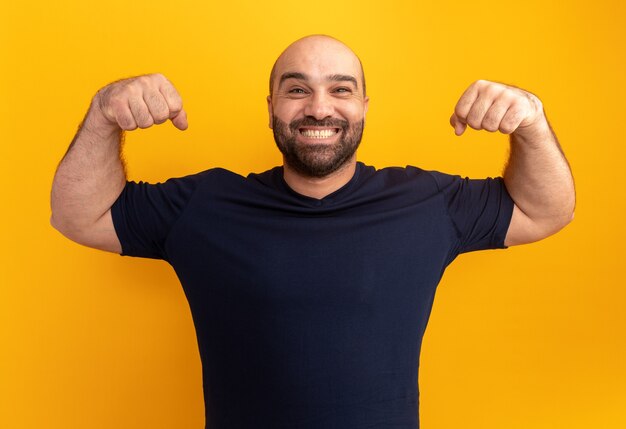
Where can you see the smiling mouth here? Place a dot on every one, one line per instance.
(318, 133)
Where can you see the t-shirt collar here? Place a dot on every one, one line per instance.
(328, 199)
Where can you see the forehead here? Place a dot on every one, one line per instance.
(318, 58)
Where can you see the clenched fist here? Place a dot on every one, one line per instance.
(140, 102)
(494, 107)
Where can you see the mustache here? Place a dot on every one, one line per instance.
(312, 122)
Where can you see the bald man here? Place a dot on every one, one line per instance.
(311, 284)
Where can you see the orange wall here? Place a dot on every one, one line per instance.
(531, 337)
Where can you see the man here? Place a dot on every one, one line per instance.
(311, 284)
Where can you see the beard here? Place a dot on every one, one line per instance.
(316, 160)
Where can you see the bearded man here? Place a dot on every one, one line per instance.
(311, 284)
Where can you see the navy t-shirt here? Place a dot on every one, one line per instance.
(310, 313)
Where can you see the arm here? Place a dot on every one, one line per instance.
(540, 182)
(91, 175)
(537, 175)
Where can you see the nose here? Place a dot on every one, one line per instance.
(319, 106)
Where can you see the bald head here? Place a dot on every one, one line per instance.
(312, 50)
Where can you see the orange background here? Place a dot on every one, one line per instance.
(530, 337)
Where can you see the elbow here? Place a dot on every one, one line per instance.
(59, 225)
(558, 223)
(55, 223)
(58, 216)
(565, 221)
(568, 217)
(64, 227)
(563, 217)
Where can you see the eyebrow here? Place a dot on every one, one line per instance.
(332, 77)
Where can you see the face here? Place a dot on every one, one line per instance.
(317, 109)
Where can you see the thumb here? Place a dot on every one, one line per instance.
(180, 120)
(458, 124)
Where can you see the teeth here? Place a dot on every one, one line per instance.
(318, 134)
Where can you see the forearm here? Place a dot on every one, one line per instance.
(90, 176)
(538, 177)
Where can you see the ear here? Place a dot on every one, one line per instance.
(366, 104)
(270, 110)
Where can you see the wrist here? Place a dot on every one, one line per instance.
(536, 132)
(97, 123)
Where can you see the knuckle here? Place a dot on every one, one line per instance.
(488, 121)
(459, 111)
(126, 122)
(144, 118)
(509, 124)
(116, 106)
(153, 99)
(505, 129)
(158, 107)
(535, 102)
(144, 121)
(476, 115)
(512, 95)
(507, 98)
(131, 90)
(145, 124)
(157, 76)
(144, 79)
(161, 116)
(490, 125)
(176, 105)
(536, 99)
(516, 114)
(474, 123)
(481, 82)
(493, 91)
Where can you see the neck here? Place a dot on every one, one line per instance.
(319, 187)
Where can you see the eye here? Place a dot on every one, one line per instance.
(343, 90)
(296, 91)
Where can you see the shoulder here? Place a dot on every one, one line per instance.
(413, 176)
(174, 192)
(215, 173)
(266, 178)
(210, 177)
(443, 182)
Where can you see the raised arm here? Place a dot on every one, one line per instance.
(91, 175)
(537, 174)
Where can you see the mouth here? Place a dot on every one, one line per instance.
(318, 132)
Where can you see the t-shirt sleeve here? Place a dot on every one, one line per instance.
(144, 214)
(480, 210)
